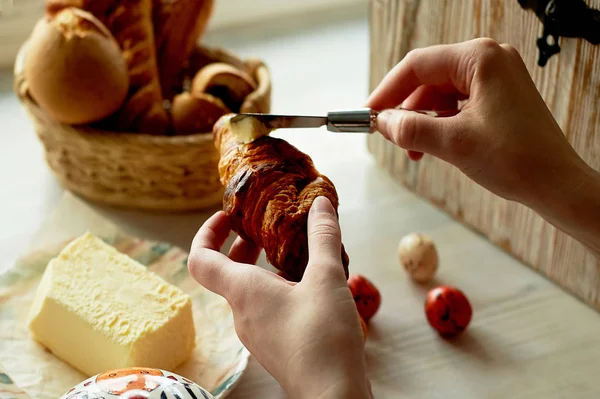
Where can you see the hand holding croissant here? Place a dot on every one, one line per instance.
(307, 335)
(269, 188)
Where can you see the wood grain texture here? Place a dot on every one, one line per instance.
(570, 85)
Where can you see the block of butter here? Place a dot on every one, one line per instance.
(97, 309)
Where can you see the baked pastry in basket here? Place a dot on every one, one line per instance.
(130, 22)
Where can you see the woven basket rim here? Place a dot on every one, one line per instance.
(121, 168)
(131, 137)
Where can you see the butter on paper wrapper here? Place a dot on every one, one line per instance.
(28, 370)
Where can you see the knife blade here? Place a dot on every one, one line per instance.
(272, 122)
(362, 120)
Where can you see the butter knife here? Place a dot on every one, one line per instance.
(361, 120)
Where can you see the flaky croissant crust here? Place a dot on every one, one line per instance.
(269, 188)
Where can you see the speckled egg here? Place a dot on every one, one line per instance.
(137, 383)
(418, 255)
(448, 310)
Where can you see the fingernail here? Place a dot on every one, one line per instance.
(322, 205)
(382, 122)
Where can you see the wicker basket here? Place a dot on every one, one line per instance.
(133, 170)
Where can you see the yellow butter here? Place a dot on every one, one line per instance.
(97, 309)
(248, 129)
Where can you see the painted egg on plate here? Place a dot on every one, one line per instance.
(137, 383)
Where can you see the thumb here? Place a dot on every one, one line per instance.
(414, 131)
(324, 240)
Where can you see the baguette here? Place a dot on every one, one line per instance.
(178, 26)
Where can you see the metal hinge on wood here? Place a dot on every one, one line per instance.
(566, 18)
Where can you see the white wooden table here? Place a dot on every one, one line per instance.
(528, 339)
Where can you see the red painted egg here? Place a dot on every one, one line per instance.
(448, 310)
(366, 296)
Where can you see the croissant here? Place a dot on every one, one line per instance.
(269, 188)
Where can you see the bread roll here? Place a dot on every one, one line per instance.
(196, 113)
(74, 68)
(130, 22)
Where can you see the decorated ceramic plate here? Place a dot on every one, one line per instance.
(137, 383)
(27, 370)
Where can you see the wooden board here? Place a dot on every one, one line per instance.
(570, 85)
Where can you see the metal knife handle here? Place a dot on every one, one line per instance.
(362, 120)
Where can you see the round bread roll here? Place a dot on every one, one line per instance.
(196, 113)
(74, 68)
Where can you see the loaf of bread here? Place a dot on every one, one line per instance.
(269, 188)
(130, 22)
(178, 26)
